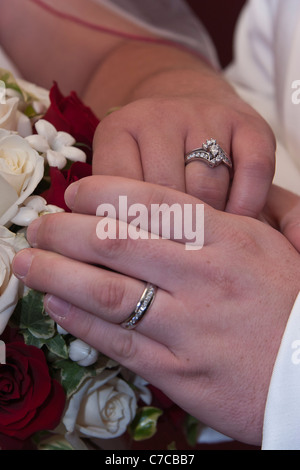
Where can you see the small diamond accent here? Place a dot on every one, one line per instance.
(211, 153)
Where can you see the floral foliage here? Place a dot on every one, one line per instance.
(51, 381)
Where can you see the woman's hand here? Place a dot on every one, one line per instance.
(172, 113)
(172, 101)
(210, 339)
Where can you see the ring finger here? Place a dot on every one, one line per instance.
(204, 182)
(107, 295)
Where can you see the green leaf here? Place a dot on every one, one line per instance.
(58, 346)
(172, 446)
(191, 428)
(30, 315)
(30, 112)
(73, 375)
(54, 442)
(31, 340)
(144, 424)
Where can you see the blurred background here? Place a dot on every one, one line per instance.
(219, 17)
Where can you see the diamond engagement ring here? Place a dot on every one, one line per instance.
(211, 153)
(142, 307)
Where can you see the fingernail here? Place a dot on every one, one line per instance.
(70, 194)
(21, 263)
(32, 231)
(56, 307)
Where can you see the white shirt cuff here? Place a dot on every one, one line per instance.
(282, 414)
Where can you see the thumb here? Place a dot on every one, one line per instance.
(283, 212)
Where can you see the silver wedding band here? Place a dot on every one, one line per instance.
(141, 308)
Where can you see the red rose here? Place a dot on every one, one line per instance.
(171, 411)
(70, 115)
(60, 180)
(30, 400)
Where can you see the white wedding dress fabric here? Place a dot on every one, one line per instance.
(266, 65)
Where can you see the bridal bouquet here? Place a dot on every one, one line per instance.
(56, 392)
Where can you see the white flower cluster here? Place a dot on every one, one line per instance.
(21, 170)
(57, 147)
(104, 405)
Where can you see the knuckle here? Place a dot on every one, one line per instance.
(125, 348)
(48, 229)
(107, 241)
(260, 167)
(84, 329)
(110, 296)
(109, 122)
(244, 240)
(37, 276)
(210, 190)
(116, 247)
(219, 276)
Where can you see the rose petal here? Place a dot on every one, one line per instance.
(21, 164)
(8, 114)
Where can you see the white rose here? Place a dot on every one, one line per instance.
(102, 408)
(41, 95)
(21, 169)
(12, 119)
(9, 284)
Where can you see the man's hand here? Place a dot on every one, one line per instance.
(211, 337)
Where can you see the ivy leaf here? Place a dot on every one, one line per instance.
(31, 340)
(58, 444)
(73, 375)
(191, 427)
(58, 346)
(145, 423)
(30, 315)
(46, 441)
